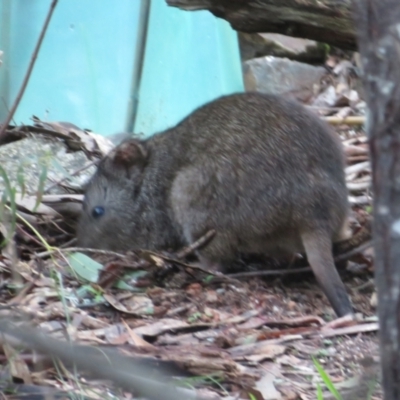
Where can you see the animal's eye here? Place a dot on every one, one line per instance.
(97, 211)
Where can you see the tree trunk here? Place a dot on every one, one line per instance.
(327, 21)
(378, 23)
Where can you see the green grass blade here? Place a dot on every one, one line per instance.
(10, 195)
(327, 380)
(21, 180)
(371, 388)
(320, 396)
(40, 191)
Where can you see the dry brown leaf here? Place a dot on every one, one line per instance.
(160, 326)
(266, 385)
(133, 304)
(19, 368)
(267, 352)
(136, 339)
(29, 203)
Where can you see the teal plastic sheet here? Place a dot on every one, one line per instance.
(191, 58)
(84, 70)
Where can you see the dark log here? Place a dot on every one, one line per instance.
(378, 24)
(327, 21)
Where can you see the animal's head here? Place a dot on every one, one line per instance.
(111, 211)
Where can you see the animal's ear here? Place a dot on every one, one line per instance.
(129, 153)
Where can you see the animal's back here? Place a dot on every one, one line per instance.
(253, 124)
(265, 168)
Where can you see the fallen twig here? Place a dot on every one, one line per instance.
(204, 240)
(353, 252)
(354, 120)
(78, 249)
(282, 271)
(79, 170)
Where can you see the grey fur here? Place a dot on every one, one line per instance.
(262, 171)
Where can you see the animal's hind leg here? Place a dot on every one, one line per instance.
(318, 248)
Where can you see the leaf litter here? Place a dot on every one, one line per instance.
(236, 335)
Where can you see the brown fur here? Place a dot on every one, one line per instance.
(262, 171)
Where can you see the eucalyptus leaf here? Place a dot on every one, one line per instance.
(84, 266)
(129, 276)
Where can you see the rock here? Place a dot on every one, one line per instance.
(254, 45)
(284, 77)
(27, 157)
